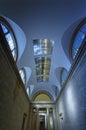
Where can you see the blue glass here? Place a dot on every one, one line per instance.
(37, 51)
(42, 47)
(22, 74)
(5, 30)
(42, 78)
(14, 55)
(83, 28)
(77, 43)
(10, 41)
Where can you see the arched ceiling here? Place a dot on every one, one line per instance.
(50, 19)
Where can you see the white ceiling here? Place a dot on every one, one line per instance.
(45, 19)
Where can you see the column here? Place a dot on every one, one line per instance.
(37, 121)
(48, 119)
(55, 119)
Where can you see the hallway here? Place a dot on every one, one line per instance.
(42, 65)
(17, 112)
(46, 115)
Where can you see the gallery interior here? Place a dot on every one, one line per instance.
(42, 65)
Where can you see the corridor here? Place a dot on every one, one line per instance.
(42, 65)
(17, 112)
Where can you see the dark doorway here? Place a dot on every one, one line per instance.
(42, 122)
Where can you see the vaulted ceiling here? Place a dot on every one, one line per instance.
(54, 20)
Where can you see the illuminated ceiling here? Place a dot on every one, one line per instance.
(43, 22)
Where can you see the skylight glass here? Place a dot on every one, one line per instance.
(5, 30)
(42, 66)
(42, 57)
(42, 46)
(23, 75)
(78, 40)
(42, 78)
(10, 39)
(83, 28)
